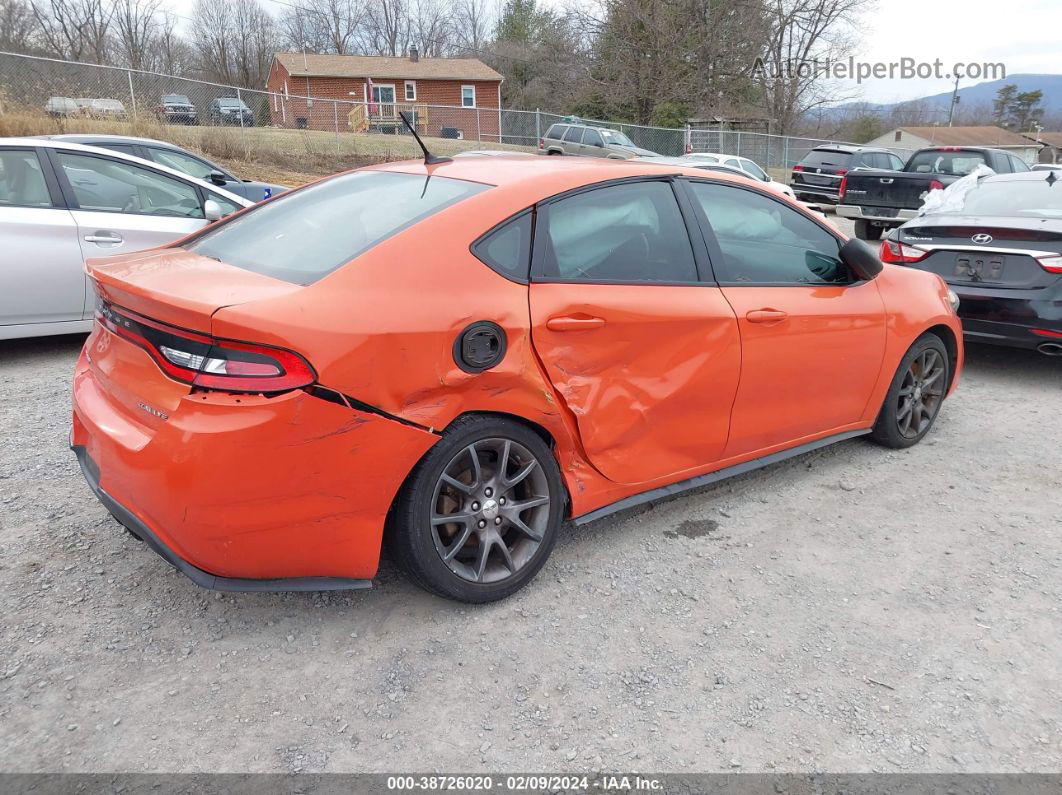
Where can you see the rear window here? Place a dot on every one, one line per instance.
(956, 164)
(828, 158)
(306, 234)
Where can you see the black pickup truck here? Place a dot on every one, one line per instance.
(880, 200)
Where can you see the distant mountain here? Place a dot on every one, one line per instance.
(979, 95)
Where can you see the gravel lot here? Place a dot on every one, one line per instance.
(854, 609)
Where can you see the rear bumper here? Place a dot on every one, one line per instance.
(243, 492)
(828, 194)
(204, 579)
(870, 214)
(1001, 320)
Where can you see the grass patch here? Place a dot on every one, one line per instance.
(289, 157)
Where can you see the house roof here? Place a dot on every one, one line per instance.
(1049, 138)
(968, 136)
(377, 66)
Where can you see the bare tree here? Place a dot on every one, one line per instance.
(387, 27)
(322, 26)
(430, 28)
(74, 29)
(803, 31)
(472, 21)
(235, 41)
(17, 26)
(168, 52)
(138, 24)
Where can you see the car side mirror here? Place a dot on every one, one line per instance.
(861, 259)
(212, 210)
(217, 178)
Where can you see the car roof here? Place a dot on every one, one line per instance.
(52, 143)
(537, 178)
(113, 139)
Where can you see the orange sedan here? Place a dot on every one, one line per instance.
(454, 357)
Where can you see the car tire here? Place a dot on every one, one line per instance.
(907, 415)
(554, 152)
(447, 558)
(865, 230)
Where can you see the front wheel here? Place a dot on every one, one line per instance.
(915, 396)
(479, 514)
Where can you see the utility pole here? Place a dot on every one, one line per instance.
(954, 101)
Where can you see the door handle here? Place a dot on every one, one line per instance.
(104, 237)
(766, 316)
(574, 323)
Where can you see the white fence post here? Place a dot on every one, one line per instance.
(239, 98)
(335, 113)
(132, 94)
(538, 126)
(479, 127)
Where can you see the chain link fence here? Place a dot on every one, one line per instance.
(70, 92)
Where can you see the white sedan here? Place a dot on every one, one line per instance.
(62, 203)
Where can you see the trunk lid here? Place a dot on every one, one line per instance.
(1007, 259)
(178, 287)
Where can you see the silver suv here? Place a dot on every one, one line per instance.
(576, 138)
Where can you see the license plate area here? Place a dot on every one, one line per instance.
(883, 212)
(977, 268)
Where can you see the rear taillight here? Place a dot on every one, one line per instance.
(900, 254)
(841, 172)
(936, 184)
(798, 168)
(1051, 264)
(207, 362)
(541, 143)
(1042, 332)
(843, 187)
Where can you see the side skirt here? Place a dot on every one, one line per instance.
(713, 477)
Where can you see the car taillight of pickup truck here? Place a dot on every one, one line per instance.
(900, 254)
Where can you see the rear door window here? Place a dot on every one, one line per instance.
(304, 235)
(630, 233)
(573, 135)
(507, 249)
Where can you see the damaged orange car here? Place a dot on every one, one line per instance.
(454, 357)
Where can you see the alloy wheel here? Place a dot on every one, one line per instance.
(921, 393)
(490, 510)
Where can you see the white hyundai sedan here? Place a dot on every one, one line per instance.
(62, 203)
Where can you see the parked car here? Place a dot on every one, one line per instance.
(708, 164)
(176, 109)
(314, 357)
(817, 177)
(743, 164)
(61, 202)
(231, 110)
(1002, 255)
(104, 109)
(181, 159)
(880, 200)
(61, 107)
(576, 138)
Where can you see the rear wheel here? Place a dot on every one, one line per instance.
(479, 514)
(867, 231)
(915, 396)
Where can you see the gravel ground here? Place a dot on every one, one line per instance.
(854, 609)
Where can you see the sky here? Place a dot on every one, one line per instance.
(1024, 35)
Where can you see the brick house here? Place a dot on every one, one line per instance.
(449, 97)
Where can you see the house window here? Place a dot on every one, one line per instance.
(468, 96)
(411, 90)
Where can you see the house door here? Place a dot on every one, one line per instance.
(384, 97)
